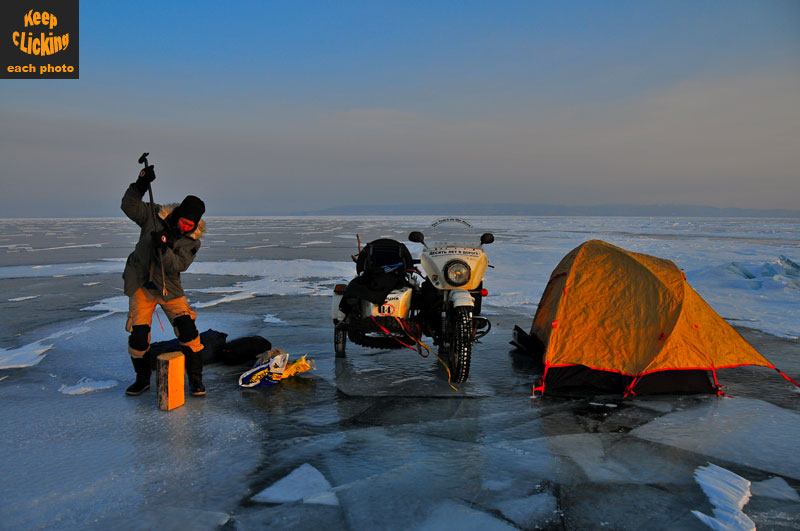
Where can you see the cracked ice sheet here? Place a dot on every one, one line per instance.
(452, 515)
(119, 455)
(775, 488)
(303, 483)
(377, 472)
(716, 429)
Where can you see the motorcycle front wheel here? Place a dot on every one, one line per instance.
(460, 343)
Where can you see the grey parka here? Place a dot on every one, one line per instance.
(143, 265)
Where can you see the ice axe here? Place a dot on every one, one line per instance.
(143, 160)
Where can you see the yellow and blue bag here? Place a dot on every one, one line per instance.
(268, 369)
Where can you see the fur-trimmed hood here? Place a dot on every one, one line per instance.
(196, 234)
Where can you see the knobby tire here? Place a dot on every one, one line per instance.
(460, 344)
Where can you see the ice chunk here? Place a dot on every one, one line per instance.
(327, 497)
(733, 429)
(739, 270)
(588, 452)
(86, 385)
(304, 483)
(789, 267)
(776, 488)
(530, 512)
(728, 493)
(453, 515)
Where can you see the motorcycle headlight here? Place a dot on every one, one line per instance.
(457, 272)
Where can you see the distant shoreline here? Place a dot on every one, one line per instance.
(510, 209)
(498, 210)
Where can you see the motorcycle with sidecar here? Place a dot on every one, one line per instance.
(391, 304)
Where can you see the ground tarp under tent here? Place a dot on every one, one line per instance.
(627, 322)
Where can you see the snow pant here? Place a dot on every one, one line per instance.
(141, 306)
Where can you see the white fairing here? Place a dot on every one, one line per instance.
(461, 297)
(434, 260)
(397, 304)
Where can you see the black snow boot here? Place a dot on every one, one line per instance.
(194, 370)
(142, 368)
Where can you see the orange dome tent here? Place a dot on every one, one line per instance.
(623, 321)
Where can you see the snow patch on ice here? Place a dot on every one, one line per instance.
(55, 270)
(111, 304)
(278, 277)
(273, 319)
(728, 493)
(18, 299)
(761, 295)
(25, 356)
(87, 385)
(303, 483)
(32, 353)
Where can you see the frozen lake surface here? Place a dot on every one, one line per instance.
(379, 439)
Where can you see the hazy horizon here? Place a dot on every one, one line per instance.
(280, 108)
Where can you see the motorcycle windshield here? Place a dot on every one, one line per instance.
(452, 232)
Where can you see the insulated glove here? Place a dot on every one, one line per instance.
(146, 176)
(161, 240)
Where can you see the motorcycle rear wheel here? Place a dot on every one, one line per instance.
(340, 341)
(460, 344)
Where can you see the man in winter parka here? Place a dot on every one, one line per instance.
(168, 242)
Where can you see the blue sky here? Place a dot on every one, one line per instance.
(273, 107)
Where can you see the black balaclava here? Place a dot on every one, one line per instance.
(191, 208)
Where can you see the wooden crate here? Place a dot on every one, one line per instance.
(170, 380)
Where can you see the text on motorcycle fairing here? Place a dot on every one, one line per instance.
(455, 252)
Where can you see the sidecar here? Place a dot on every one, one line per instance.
(376, 308)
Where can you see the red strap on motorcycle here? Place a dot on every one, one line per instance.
(410, 334)
(385, 331)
